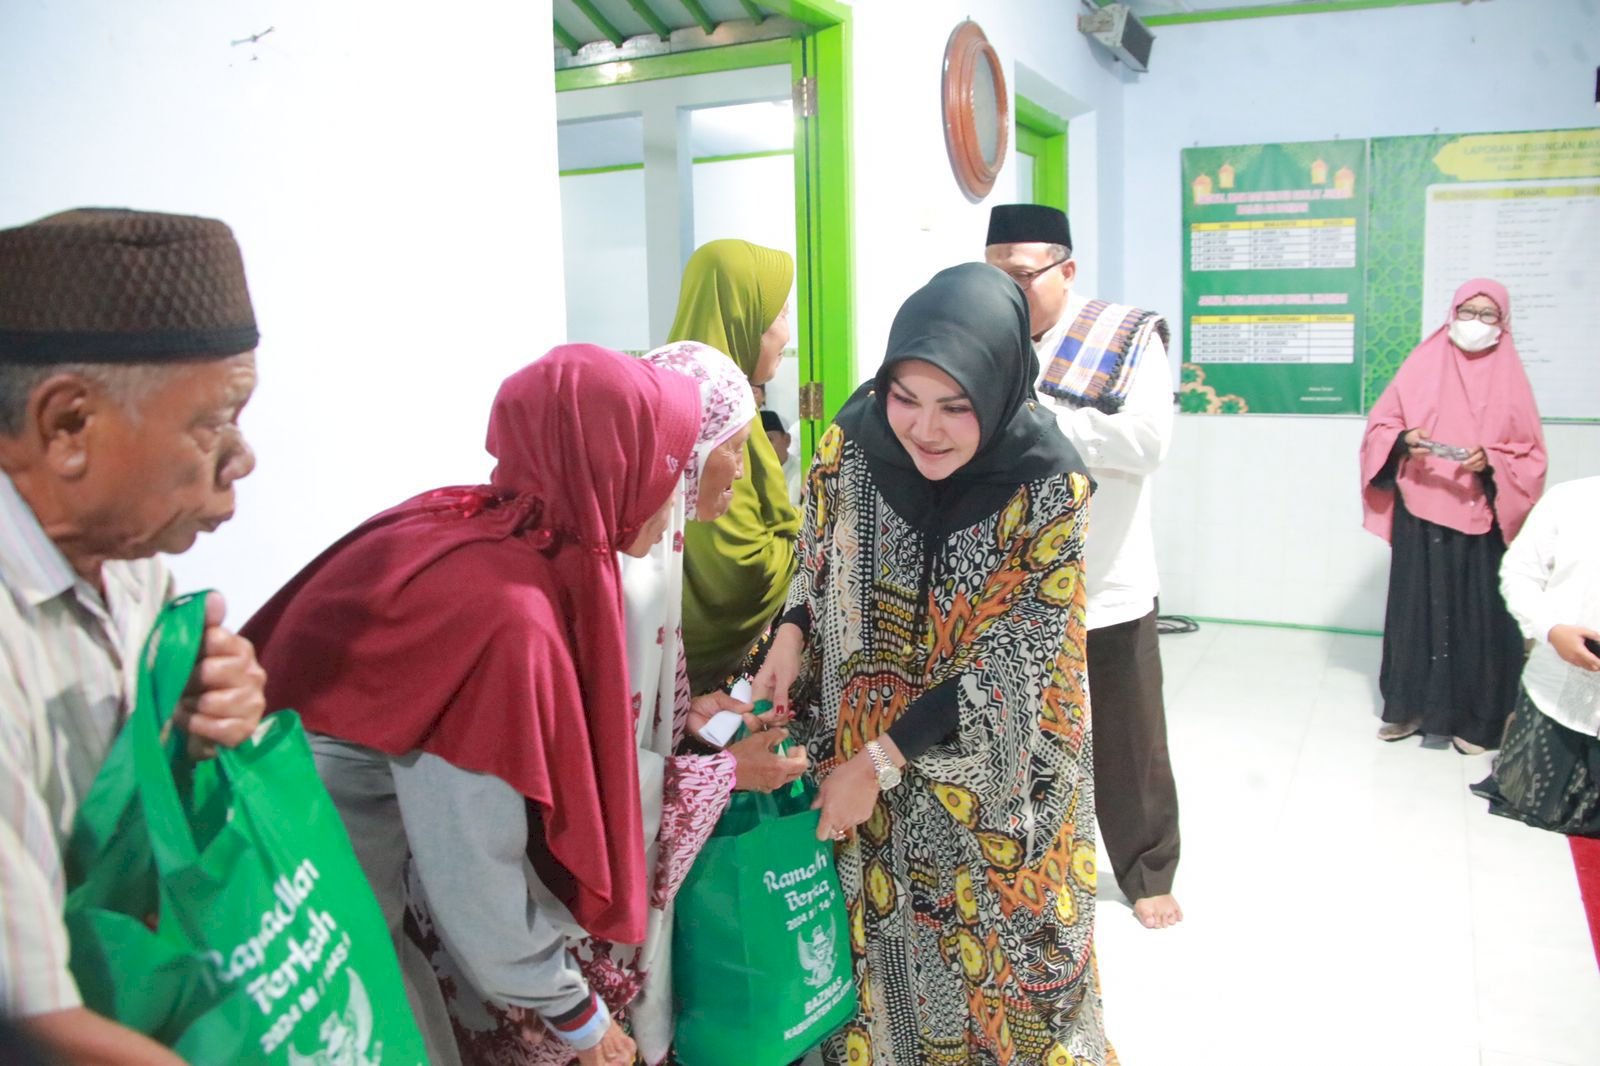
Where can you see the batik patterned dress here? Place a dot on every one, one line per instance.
(971, 888)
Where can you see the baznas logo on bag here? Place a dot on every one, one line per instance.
(345, 1037)
(817, 956)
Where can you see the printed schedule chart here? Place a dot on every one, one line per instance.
(1273, 244)
(1274, 238)
(1538, 238)
(1304, 339)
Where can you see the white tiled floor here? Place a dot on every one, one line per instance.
(1346, 901)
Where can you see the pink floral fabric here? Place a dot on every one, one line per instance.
(695, 793)
(727, 404)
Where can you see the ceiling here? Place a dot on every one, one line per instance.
(602, 26)
(1151, 8)
(606, 30)
(595, 31)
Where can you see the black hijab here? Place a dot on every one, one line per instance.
(970, 321)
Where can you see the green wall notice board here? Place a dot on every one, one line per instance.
(1312, 269)
(1273, 281)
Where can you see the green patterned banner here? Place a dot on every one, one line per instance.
(1273, 245)
(1522, 208)
(1292, 307)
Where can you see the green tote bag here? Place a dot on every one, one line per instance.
(217, 906)
(761, 943)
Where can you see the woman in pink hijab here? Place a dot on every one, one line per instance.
(1452, 462)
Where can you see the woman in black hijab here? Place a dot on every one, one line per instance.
(934, 642)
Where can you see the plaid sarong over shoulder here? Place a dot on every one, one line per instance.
(1096, 359)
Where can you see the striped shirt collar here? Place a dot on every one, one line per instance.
(31, 566)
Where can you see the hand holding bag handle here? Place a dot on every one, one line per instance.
(168, 662)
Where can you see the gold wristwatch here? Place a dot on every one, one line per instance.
(888, 772)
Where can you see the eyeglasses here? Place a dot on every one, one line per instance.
(1026, 278)
(1487, 315)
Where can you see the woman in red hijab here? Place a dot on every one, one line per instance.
(1452, 462)
(461, 663)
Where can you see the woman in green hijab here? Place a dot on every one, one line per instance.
(737, 569)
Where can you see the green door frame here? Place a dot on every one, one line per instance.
(1031, 145)
(824, 184)
(1042, 134)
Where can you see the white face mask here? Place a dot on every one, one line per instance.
(1474, 336)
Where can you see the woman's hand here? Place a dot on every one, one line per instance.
(616, 1048)
(757, 768)
(1414, 445)
(1476, 461)
(781, 667)
(846, 798)
(1568, 641)
(703, 708)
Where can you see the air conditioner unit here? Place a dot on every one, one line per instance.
(1116, 27)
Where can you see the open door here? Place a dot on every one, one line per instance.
(609, 43)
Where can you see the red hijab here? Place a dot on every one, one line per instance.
(484, 624)
(1467, 399)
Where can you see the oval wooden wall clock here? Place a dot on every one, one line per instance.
(977, 111)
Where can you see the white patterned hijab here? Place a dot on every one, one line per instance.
(652, 589)
(726, 403)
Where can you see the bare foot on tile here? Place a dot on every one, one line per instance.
(1157, 912)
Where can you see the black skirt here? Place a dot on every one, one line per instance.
(1452, 654)
(1547, 775)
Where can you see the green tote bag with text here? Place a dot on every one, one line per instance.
(761, 944)
(217, 906)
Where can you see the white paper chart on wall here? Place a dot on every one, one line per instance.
(1538, 239)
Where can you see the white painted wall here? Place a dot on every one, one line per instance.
(911, 217)
(1259, 517)
(748, 199)
(607, 274)
(391, 175)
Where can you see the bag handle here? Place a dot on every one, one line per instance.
(769, 802)
(165, 666)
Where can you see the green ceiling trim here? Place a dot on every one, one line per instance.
(615, 168)
(736, 156)
(699, 61)
(757, 15)
(732, 157)
(601, 23)
(1028, 142)
(657, 24)
(565, 38)
(698, 12)
(1231, 14)
(819, 13)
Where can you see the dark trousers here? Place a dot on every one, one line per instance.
(1135, 795)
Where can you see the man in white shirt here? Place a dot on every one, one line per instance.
(1548, 772)
(1104, 371)
(126, 354)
